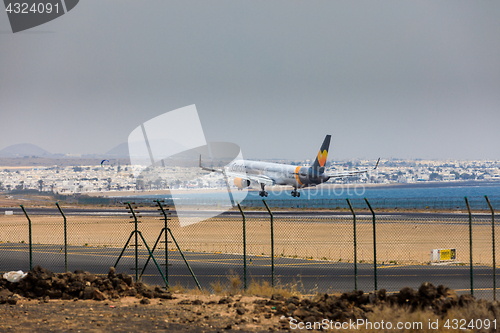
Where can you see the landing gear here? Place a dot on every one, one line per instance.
(262, 193)
(295, 193)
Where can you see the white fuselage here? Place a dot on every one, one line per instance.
(281, 174)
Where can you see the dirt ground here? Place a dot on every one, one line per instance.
(130, 315)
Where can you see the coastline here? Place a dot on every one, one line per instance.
(110, 194)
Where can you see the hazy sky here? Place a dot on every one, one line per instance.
(402, 79)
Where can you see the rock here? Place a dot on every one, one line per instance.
(225, 300)
(301, 313)
(54, 294)
(291, 307)
(319, 298)
(495, 309)
(305, 302)
(310, 319)
(164, 295)
(40, 273)
(45, 284)
(13, 299)
(372, 298)
(127, 279)
(382, 295)
(88, 293)
(145, 301)
(111, 273)
(116, 281)
(336, 315)
(366, 307)
(98, 295)
(59, 283)
(406, 295)
(90, 278)
(428, 290)
(465, 300)
(240, 310)
(123, 287)
(148, 293)
(132, 292)
(452, 295)
(4, 295)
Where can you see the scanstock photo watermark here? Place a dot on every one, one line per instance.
(26, 14)
(173, 147)
(365, 324)
(325, 191)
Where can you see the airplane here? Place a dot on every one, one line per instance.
(264, 173)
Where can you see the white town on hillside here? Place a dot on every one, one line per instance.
(97, 178)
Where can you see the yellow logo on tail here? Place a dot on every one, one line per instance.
(322, 157)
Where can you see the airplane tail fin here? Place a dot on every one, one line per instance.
(320, 161)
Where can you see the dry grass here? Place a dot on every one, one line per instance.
(415, 321)
(395, 315)
(262, 288)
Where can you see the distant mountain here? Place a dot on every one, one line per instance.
(24, 149)
(119, 151)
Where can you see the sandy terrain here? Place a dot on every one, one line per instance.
(322, 238)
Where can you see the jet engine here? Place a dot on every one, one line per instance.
(241, 183)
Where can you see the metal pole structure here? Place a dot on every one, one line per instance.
(138, 233)
(493, 243)
(136, 242)
(30, 243)
(272, 242)
(374, 246)
(244, 248)
(65, 238)
(355, 247)
(470, 248)
(184, 258)
(154, 260)
(165, 215)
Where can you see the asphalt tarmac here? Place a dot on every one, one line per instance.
(307, 276)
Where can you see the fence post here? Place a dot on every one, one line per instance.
(355, 246)
(136, 241)
(165, 216)
(30, 243)
(374, 246)
(65, 238)
(470, 248)
(244, 248)
(493, 243)
(272, 242)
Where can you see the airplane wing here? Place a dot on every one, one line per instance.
(350, 173)
(261, 179)
(210, 169)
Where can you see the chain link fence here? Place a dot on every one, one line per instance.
(314, 251)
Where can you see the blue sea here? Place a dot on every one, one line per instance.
(417, 195)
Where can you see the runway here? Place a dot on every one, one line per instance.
(307, 276)
(251, 213)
